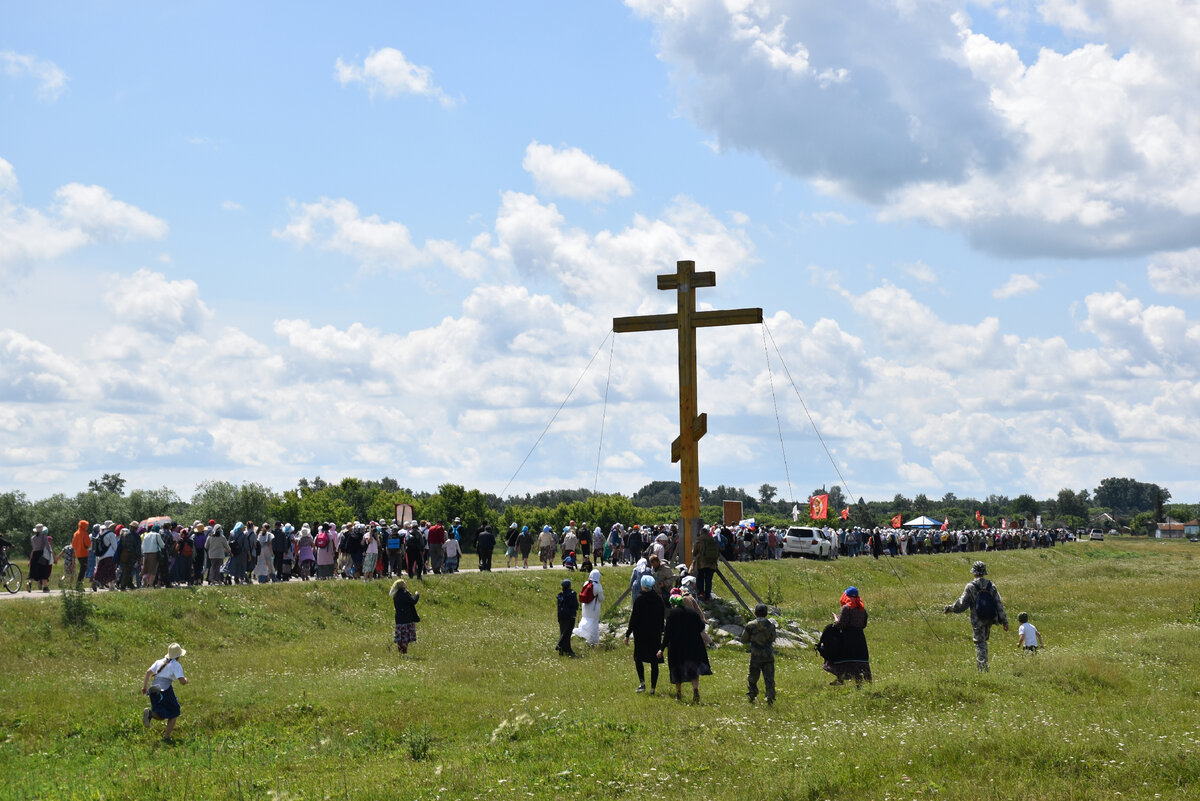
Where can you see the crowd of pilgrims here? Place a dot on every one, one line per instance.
(116, 556)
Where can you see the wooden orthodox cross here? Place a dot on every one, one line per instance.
(692, 426)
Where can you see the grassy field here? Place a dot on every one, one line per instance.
(296, 692)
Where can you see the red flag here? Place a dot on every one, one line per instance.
(896, 521)
(945, 523)
(978, 516)
(846, 513)
(1003, 522)
(983, 522)
(818, 507)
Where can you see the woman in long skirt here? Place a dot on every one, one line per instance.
(406, 615)
(687, 659)
(850, 659)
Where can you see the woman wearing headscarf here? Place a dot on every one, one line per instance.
(646, 626)
(525, 545)
(406, 615)
(304, 552)
(235, 565)
(217, 548)
(589, 622)
(264, 567)
(850, 659)
(687, 659)
(41, 559)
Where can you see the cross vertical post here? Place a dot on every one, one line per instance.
(692, 426)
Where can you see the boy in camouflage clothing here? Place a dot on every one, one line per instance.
(759, 634)
(981, 628)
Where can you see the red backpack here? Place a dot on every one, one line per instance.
(322, 539)
(587, 594)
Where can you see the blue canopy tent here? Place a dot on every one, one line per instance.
(923, 522)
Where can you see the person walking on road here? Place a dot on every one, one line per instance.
(983, 600)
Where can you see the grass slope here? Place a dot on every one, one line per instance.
(296, 692)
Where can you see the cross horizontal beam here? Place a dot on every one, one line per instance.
(670, 322)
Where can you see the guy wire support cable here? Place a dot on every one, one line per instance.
(842, 478)
(604, 411)
(555, 415)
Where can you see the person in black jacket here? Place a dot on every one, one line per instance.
(646, 626)
(682, 639)
(485, 543)
(568, 608)
(406, 615)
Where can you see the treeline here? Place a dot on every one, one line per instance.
(1123, 502)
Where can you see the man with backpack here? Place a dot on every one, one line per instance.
(982, 598)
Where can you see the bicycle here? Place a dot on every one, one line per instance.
(10, 573)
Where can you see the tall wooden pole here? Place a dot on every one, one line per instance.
(689, 446)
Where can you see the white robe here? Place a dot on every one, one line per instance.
(589, 623)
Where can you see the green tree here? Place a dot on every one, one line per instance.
(96, 507)
(1128, 496)
(1024, 507)
(1072, 504)
(766, 493)
(921, 503)
(109, 482)
(152, 503)
(216, 500)
(16, 514)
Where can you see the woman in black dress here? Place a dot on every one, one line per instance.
(687, 658)
(850, 659)
(646, 626)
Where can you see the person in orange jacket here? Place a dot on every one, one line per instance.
(81, 544)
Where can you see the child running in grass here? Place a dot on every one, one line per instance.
(1028, 636)
(157, 686)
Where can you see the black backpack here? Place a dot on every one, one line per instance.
(235, 545)
(985, 603)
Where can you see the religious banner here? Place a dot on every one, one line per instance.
(818, 507)
(1039, 521)
(945, 524)
(897, 521)
(978, 516)
(846, 513)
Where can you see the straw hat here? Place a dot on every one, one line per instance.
(175, 650)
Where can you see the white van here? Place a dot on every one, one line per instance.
(805, 541)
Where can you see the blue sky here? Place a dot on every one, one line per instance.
(386, 239)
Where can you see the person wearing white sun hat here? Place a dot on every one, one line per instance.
(157, 686)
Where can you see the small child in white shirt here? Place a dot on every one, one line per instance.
(1028, 637)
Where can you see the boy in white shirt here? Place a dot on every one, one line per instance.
(1028, 638)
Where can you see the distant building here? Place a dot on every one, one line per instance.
(1170, 530)
(1191, 529)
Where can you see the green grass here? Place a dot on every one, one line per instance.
(296, 692)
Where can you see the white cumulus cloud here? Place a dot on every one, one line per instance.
(51, 80)
(80, 215)
(572, 173)
(1176, 273)
(1017, 284)
(389, 73)
(1086, 150)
